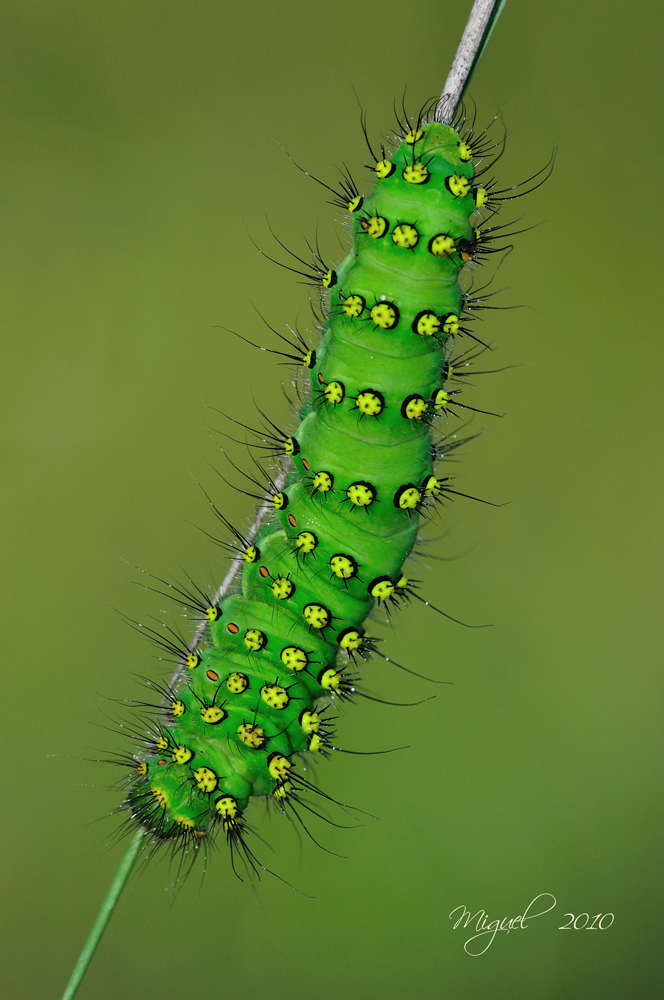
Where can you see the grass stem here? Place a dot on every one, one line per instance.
(105, 913)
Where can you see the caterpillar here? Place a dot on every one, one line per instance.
(356, 478)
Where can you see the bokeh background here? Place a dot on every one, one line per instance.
(139, 156)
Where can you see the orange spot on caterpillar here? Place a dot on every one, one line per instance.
(161, 761)
(233, 628)
(212, 675)
(320, 377)
(307, 467)
(264, 571)
(292, 520)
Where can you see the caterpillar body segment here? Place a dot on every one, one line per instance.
(248, 701)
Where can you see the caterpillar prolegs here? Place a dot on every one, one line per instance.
(358, 475)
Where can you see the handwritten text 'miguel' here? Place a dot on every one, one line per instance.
(486, 930)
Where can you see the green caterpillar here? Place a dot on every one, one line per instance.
(360, 472)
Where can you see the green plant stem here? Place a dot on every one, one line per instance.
(105, 913)
(482, 21)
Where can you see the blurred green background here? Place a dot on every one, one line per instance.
(138, 154)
